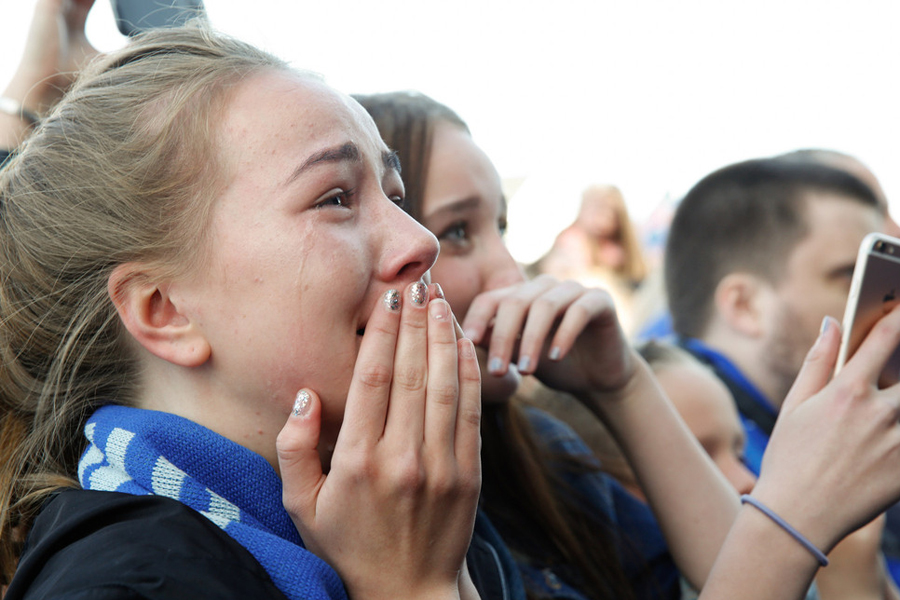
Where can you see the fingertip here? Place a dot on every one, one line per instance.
(301, 431)
(829, 337)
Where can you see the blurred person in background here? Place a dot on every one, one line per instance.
(600, 248)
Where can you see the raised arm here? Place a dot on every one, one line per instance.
(55, 50)
(831, 466)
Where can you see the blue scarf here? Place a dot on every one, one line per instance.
(145, 452)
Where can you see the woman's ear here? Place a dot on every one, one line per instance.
(154, 319)
(742, 300)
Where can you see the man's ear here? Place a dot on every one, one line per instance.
(154, 319)
(741, 301)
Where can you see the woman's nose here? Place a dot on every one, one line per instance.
(502, 270)
(409, 249)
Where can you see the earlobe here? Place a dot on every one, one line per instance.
(153, 317)
(740, 300)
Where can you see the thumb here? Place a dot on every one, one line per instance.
(298, 457)
(818, 366)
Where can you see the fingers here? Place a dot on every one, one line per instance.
(818, 365)
(468, 431)
(406, 409)
(578, 307)
(506, 310)
(542, 316)
(298, 457)
(522, 318)
(443, 387)
(370, 387)
(872, 355)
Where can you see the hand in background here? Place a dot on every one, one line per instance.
(56, 50)
(565, 334)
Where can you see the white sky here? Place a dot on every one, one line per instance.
(648, 95)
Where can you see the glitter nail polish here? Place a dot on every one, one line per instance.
(301, 404)
(391, 300)
(418, 293)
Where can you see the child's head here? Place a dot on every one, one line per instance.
(706, 406)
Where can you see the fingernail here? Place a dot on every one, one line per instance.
(418, 293)
(555, 353)
(469, 333)
(301, 404)
(438, 291)
(467, 349)
(392, 300)
(439, 309)
(495, 365)
(524, 363)
(826, 325)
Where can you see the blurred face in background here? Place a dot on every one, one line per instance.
(708, 408)
(464, 207)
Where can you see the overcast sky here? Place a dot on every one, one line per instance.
(648, 95)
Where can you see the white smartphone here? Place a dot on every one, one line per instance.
(874, 292)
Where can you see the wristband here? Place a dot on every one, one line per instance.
(15, 108)
(820, 556)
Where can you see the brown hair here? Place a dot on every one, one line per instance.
(124, 169)
(747, 217)
(521, 484)
(406, 121)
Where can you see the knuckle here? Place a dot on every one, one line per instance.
(408, 475)
(853, 390)
(543, 304)
(445, 394)
(470, 414)
(375, 375)
(444, 482)
(410, 379)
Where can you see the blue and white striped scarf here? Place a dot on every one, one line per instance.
(144, 452)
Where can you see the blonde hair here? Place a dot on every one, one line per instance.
(123, 170)
(635, 268)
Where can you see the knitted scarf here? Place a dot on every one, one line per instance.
(146, 452)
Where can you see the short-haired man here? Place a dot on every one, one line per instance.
(758, 254)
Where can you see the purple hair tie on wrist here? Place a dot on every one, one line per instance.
(820, 556)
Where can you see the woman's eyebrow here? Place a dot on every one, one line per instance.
(348, 151)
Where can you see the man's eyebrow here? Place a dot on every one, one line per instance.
(348, 151)
(391, 160)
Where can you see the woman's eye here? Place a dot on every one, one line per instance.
(340, 198)
(456, 233)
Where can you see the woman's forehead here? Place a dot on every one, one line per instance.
(284, 107)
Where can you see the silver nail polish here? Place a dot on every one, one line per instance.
(392, 300)
(301, 404)
(418, 293)
(555, 353)
(524, 363)
(495, 365)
